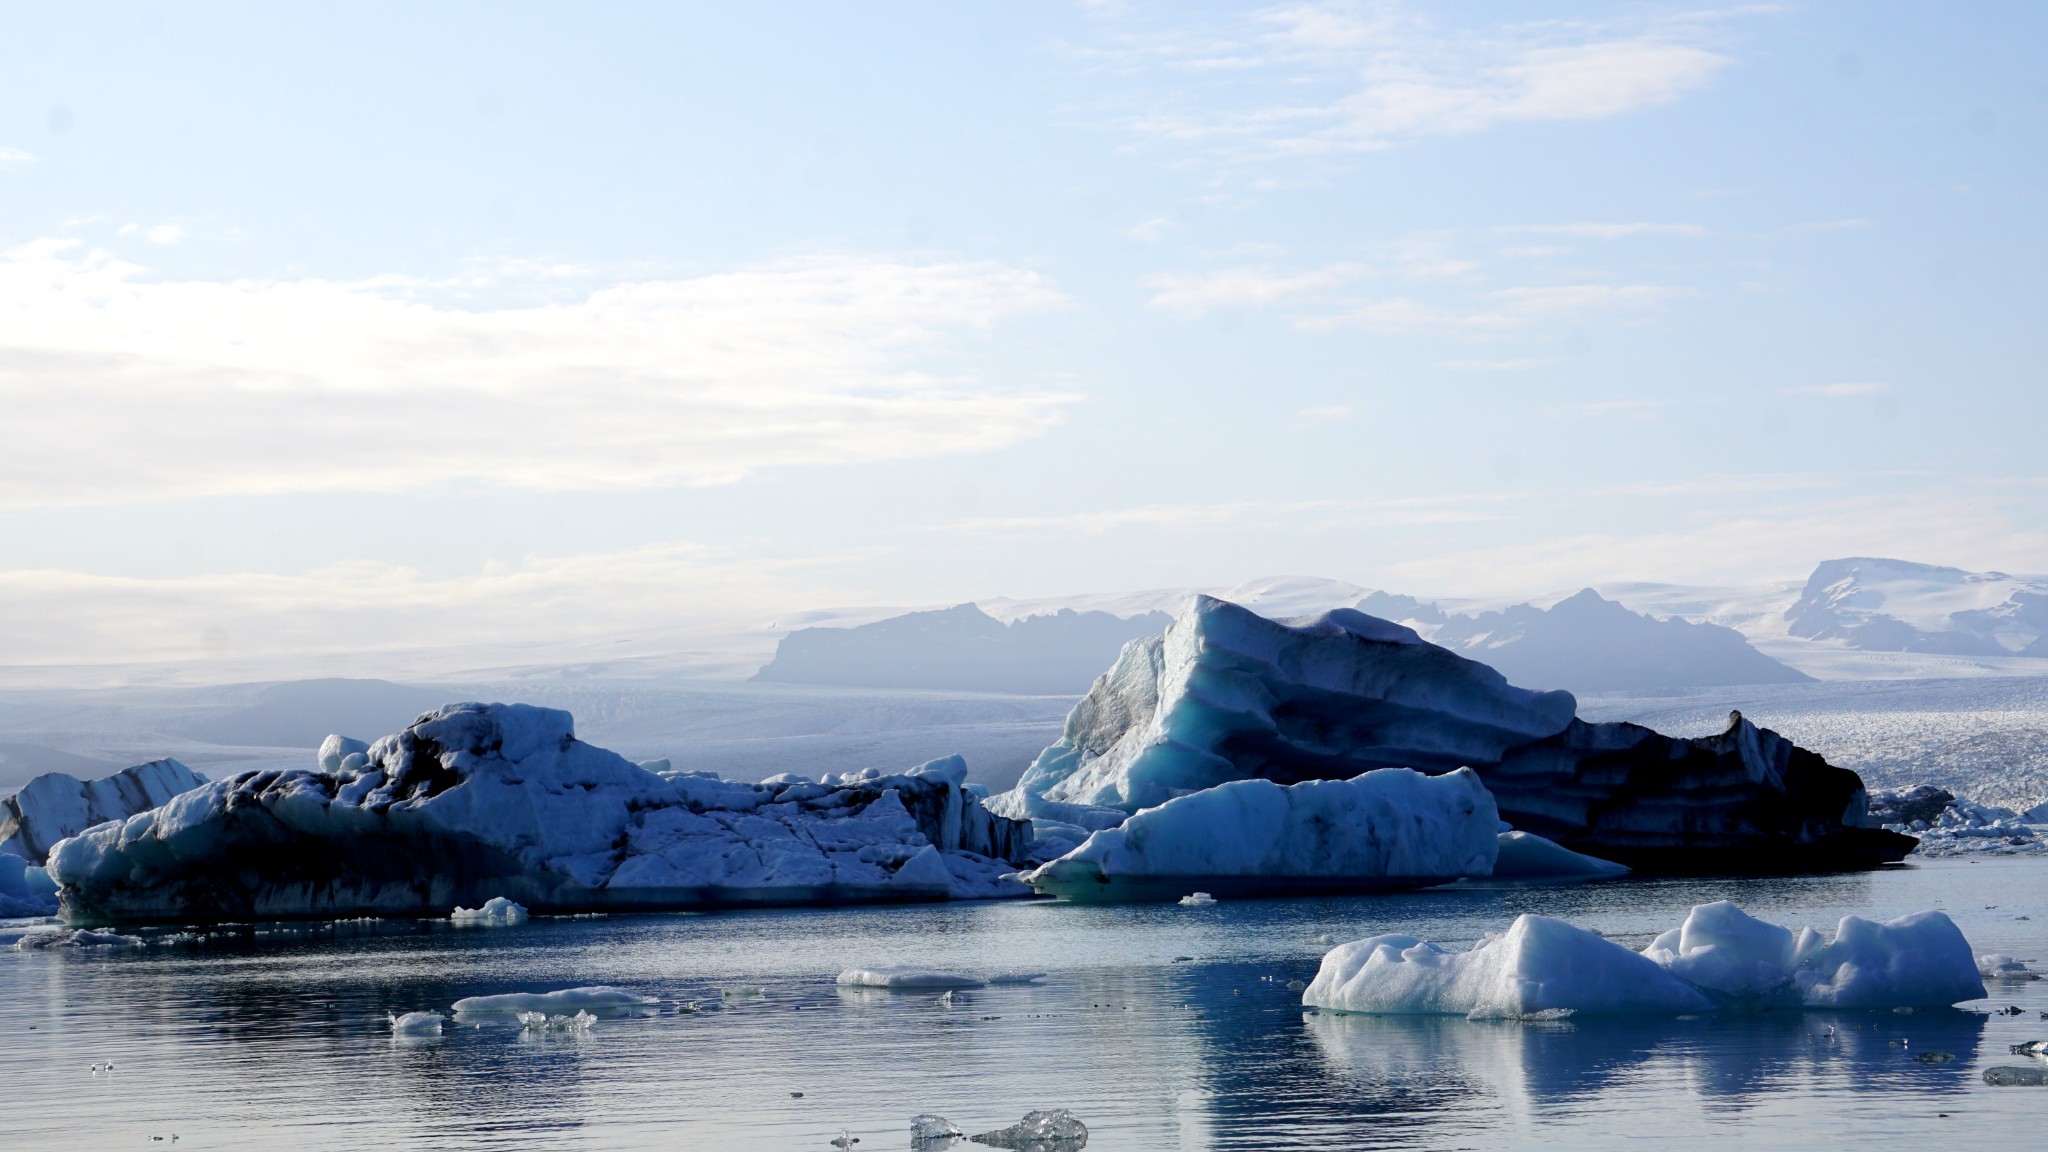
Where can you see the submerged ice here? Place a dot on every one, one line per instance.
(1719, 957)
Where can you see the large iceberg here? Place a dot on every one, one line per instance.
(1228, 695)
(55, 805)
(1388, 829)
(1720, 957)
(487, 800)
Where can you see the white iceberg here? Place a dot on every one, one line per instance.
(1041, 1130)
(908, 977)
(1719, 957)
(598, 996)
(1226, 695)
(415, 1023)
(1389, 829)
(490, 800)
(75, 938)
(496, 912)
(1999, 966)
(55, 805)
(1527, 856)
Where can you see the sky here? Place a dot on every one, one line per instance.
(331, 330)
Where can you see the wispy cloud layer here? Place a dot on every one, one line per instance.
(1323, 78)
(120, 385)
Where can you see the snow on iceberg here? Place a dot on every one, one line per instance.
(1540, 965)
(484, 800)
(1388, 829)
(496, 912)
(55, 805)
(1527, 856)
(1227, 695)
(1719, 957)
(597, 997)
(906, 976)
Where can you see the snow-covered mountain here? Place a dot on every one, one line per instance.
(1896, 606)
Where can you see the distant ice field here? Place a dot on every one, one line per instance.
(1981, 737)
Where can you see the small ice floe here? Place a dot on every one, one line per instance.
(845, 1139)
(2035, 1048)
(927, 1127)
(497, 912)
(75, 938)
(1934, 1057)
(598, 997)
(1719, 957)
(1324, 940)
(1196, 900)
(1999, 966)
(907, 976)
(2008, 1076)
(743, 992)
(1040, 1131)
(558, 1022)
(415, 1023)
(1009, 977)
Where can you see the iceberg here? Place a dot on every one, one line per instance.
(906, 976)
(1720, 957)
(496, 912)
(1384, 830)
(1041, 1130)
(599, 997)
(75, 938)
(415, 1023)
(55, 805)
(1227, 695)
(501, 800)
(25, 889)
(1526, 856)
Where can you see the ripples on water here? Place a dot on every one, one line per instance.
(277, 1039)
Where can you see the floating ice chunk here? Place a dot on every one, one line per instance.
(1049, 1130)
(1540, 964)
(906, 976)
(742, 992)
(1197, 899)
(1916, 961)
(1015, 977)
(2007, 1076)
(497, 912)
(1387, 828)
(1997, 965)
(415, 1023)
(1527, 855)
(75, 938)
(1724, 949)
(559, 1022)
(928, 1126)
(596, 996)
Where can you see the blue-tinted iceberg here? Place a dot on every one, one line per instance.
(1383, 830)
(25, 889)
(1227, 695)
(493, 800)
(53, 806)
(1720, 957)
(1527, 856)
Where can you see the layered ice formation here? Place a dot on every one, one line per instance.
(1227, 695)
(599, 997)
(1720, 957)
(1388, 829)
(53, 806)
(496, 800)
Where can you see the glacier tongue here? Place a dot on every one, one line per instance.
(501, 800)
(1227, 695)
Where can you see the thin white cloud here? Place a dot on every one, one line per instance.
(1842, 391)
(1149, 231)
(119, 385)
(1346, 77)
(16, 158)
(1198, 292)
(1245, 514)
(1499, 309)
(1610, 231)
(166, 234)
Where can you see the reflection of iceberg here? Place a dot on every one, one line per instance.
(1389, 829)
(1719, 957)
(481, 800)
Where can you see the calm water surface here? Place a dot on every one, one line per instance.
(276, 1039)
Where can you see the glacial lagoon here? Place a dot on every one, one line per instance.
(1160, 1026)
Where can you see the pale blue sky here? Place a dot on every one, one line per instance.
(566, 319)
